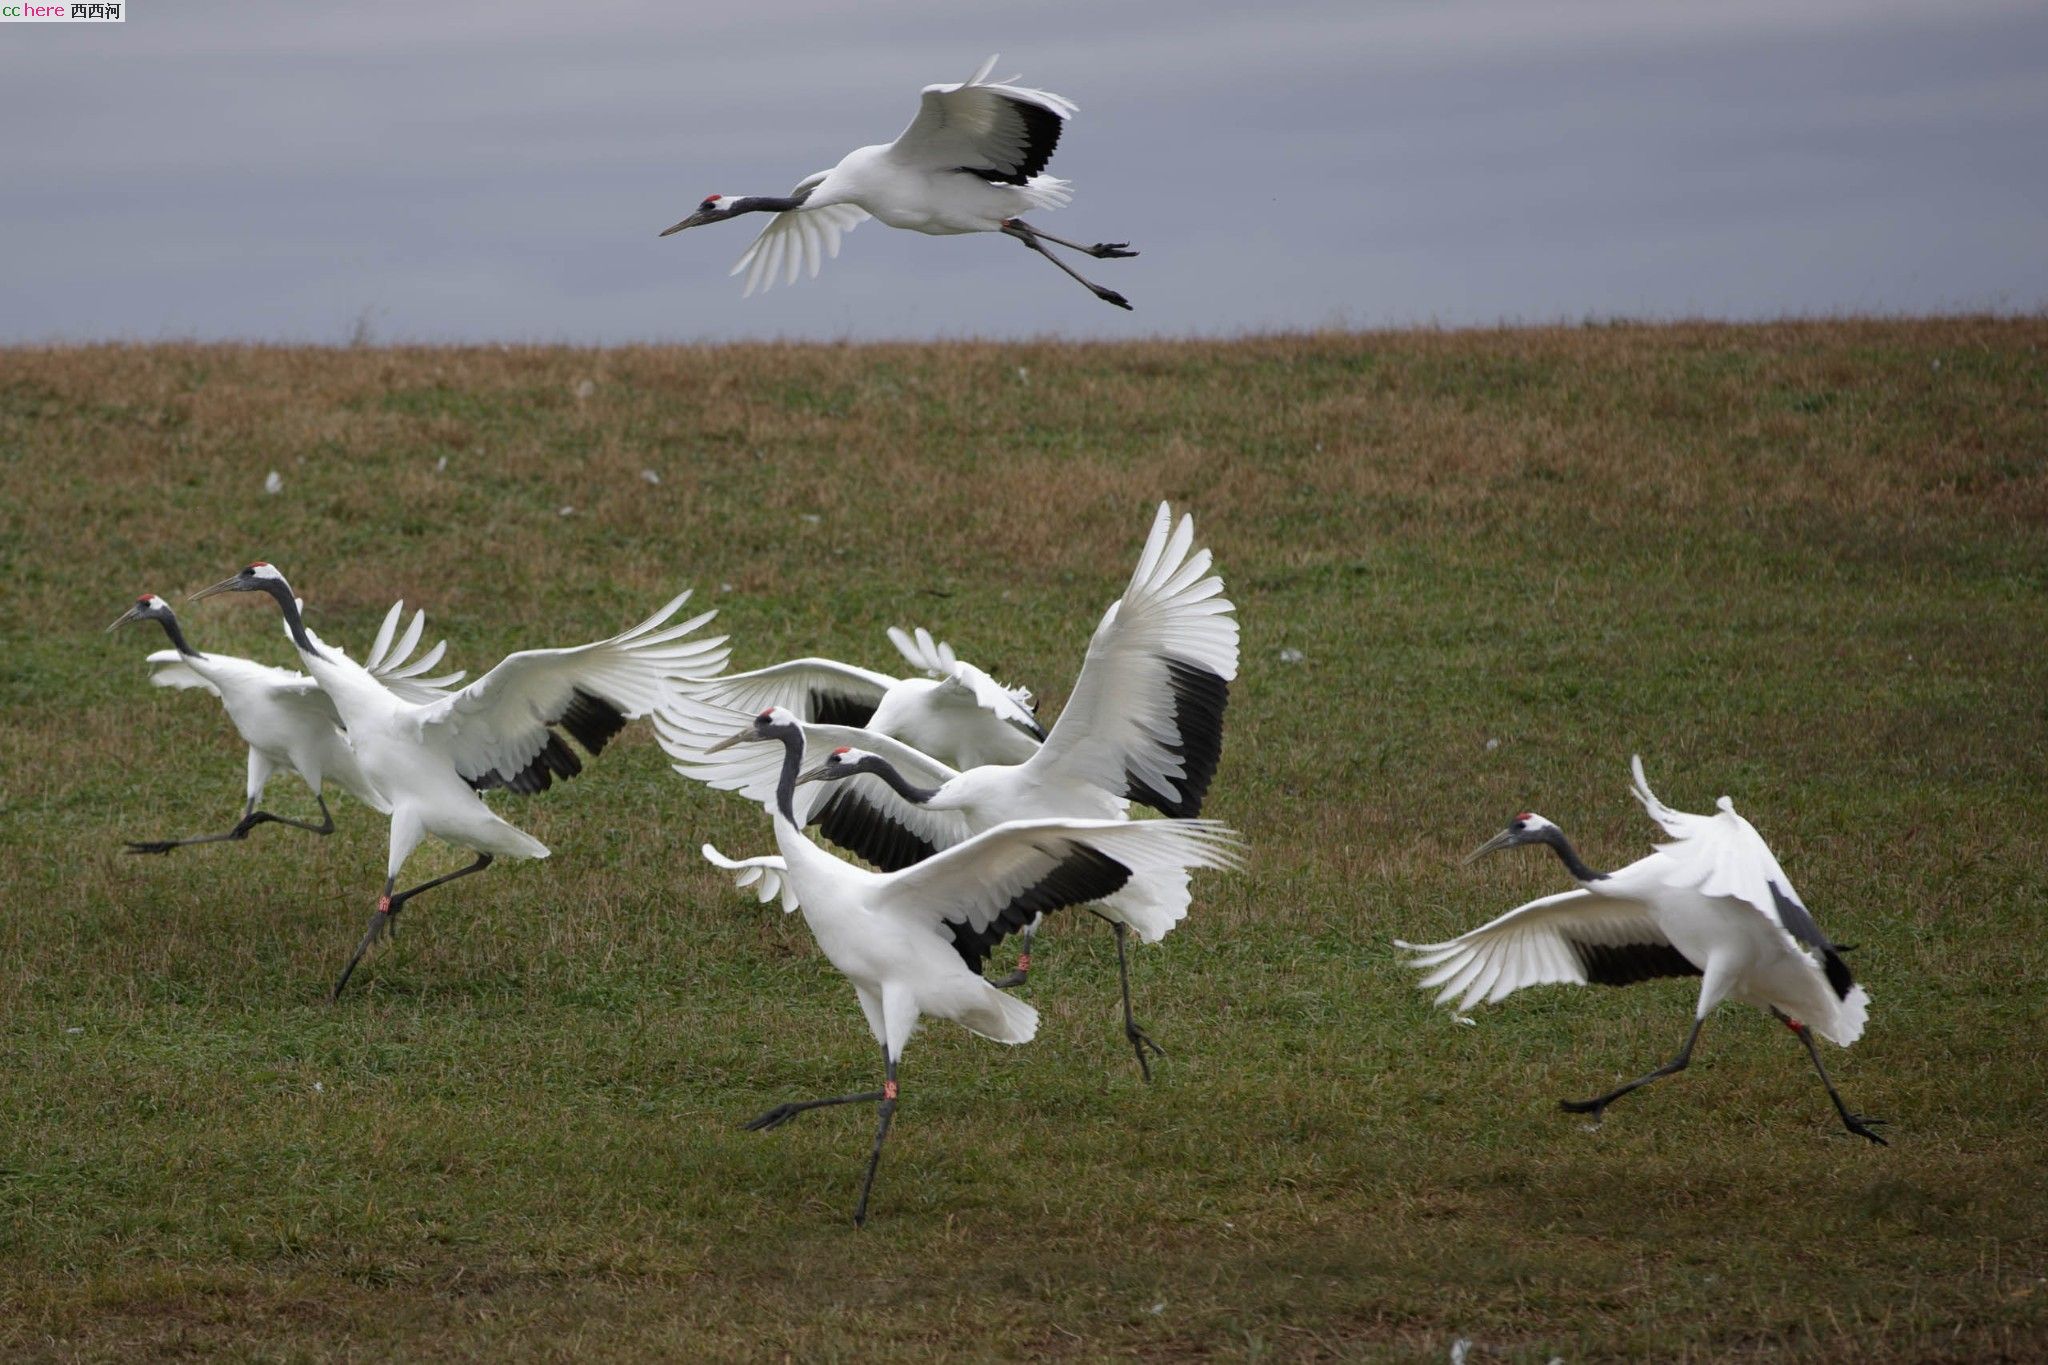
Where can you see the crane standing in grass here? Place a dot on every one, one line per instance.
(284, 717)
(430, 760)
(971, 161)
(913, 942)
(1712, 903)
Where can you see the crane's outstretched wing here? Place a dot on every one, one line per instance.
(934, 658)
(292, 690)
(1001, 880)
(863, 814)
(821, 690)
(389, 665)
(1723, 855)
(496, 730)
(767, 877)
(993, 129)
(797, 239)
(167, 668)
(1575, 936)
(1146, 717)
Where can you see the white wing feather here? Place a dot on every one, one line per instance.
(1120, 728)
(974, 124)
(499, 723)
(766, 877)
(797, 239)
(1718, 855)
(1530, 945)
(687, 728)
(791, 686)
(975, 882)
(168, 669)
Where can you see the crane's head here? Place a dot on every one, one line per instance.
(773, 725)
(842, 763)
(148, 607)
(258, 577)
(715, 208)
(1526, 828)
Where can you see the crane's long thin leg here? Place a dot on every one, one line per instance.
(1101, 251)
(1028, 235)
(251, 817)
(1599, 1103)
(884, 1113)
(783, 1113)
(385, 915)
(1140, 1041)
(1023, 971)
(1855, 1123)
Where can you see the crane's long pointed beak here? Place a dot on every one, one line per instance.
(225, 585)
(132, 614)
(741, 738)
(693, 220)
(820, 773)
(1498, 841)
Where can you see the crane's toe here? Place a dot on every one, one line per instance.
(1111, 251)
(1861, 1125)
(773, 1118)
(1111, 296)
(150, 846)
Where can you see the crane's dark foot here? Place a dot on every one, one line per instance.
(774, 1118)
(1111, 296)
(1594, 1107)
(1111, 251)
(1860, 1126)
(1142, 1044)
(382, 921)
(151, 846)
(1012, 981)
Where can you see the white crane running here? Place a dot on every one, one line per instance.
(969, 162)
(957, 713)
(1144, 723)
(284, 717)
(431, 760)
(1712, 903)
(913, 942)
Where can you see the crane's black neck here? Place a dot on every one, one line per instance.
(289, 605)
(1569, 856)
(764, 203)
(884, 769)
(170, 625)
(792, 763)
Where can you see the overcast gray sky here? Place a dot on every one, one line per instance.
(449, 170)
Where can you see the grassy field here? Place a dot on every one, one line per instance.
(1805, 565)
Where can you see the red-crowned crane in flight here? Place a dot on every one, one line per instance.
(971, 161)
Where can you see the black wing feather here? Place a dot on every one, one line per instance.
(1199, 698)
(1041, 134)
(1083, 875)
(1799, 923)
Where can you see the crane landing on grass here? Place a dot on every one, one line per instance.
(971, 161)
(1712, 903)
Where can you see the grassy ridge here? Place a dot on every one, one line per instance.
(1800, 564)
